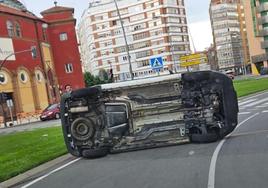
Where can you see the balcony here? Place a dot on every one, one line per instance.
(264, 44)
(263, 20)
(263, 7)
(263, 32)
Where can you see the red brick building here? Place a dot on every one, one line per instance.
(33, 82)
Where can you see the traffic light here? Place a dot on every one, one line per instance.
(34, 52)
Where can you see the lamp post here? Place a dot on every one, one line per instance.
(33, 50)
(125, 38)
(171, 45)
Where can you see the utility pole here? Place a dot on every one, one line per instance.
(125, 38)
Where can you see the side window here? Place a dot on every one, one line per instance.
(69, 68)
(63, 36)
(17, 29)
(10, 28)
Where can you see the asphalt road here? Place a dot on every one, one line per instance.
(239, 161)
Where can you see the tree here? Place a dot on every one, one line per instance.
(91, 80)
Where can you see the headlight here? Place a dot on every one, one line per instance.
(49, 113)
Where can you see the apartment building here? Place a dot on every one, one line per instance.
(257, 33)
(153, 28)
(229, 34)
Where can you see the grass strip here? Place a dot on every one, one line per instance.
(22, 151)
(250, 86)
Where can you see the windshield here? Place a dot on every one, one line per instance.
(51, 107)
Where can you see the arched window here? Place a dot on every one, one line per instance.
(10, 28)
(17, 29)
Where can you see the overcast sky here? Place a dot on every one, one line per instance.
(197, 15)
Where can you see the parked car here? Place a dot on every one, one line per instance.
(264, 71)
(161, 111)
(51, 112)
(230, 74)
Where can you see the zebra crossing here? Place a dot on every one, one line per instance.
(253, 104)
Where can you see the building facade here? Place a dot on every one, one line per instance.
(229, 34)
(32, 81)
(153, 28)
(257, 33)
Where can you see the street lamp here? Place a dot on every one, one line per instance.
(125, 38)
(171, 45)
(32, 50)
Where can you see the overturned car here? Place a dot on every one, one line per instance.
(174, 109)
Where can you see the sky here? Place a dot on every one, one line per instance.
(197, 14)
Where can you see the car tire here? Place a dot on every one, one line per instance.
(57, 116)
(95, 153)
(212, 136)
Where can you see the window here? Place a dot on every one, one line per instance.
(3, 79)
(63, 36)
(69, 68)
(38, 76)
(17, 29)
(10, 28)
(23, 76)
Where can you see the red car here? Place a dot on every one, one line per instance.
(51, 112)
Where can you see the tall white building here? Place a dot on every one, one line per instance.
(153, 27)
(227, 34)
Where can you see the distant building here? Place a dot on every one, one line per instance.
(33, 82)
(257, 33)
(229, 33)
(153, 28)
(212, 57)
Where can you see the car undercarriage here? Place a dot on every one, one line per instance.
(174, 109)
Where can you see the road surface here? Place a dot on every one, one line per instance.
(239, 161)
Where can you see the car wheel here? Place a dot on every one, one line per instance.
(95, 153)
(207, 137)
(57, 116)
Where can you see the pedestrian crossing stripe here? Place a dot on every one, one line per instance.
(156, 63)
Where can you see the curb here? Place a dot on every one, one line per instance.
(20, 179)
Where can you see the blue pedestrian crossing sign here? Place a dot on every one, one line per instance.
(156, 63)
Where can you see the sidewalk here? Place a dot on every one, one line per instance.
(20, 122)
(29, 126)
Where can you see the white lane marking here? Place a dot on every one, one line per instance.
(243, 113)
(265, 111)
(256, 103)
(191, 152)
(51, 172)
(254, 96)
(212, 167)
(261, 106)
(246, 102)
